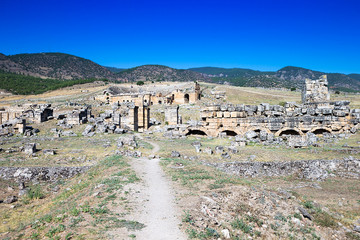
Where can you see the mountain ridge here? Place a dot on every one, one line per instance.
(288, 77)
(65, 67)
(55, 65)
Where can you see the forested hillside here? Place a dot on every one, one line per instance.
(25, 85)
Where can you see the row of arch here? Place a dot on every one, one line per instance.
(281, 132)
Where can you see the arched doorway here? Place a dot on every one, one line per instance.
(186, 98)
(229, 133)
(196, 132)
(320, 131)
(289, 132)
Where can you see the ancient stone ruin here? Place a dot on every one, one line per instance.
(172, 115)
(316, 91)
(291, 119)
(36, 113)
(317, 115)
(177, 96)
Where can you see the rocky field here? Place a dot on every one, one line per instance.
(81, 182)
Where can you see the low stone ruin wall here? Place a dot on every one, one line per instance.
(312, 169)
(35, 174)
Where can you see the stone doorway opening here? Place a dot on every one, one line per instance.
(186, 98)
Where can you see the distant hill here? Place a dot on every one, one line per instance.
(286, 77)
(54, 65)
(160, 73)
(61, 66)
(115, 69)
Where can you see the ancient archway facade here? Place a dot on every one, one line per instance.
(291, 119)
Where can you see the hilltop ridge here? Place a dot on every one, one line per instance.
(287, 77)
(61, 66)
(54, 65)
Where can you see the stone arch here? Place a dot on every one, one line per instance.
(195, 132)
(321, 130)
(258, 129)
(186, 98)
(289, 131)
(230, 132)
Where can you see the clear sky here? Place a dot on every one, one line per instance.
(262, 35)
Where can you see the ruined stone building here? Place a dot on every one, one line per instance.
(128, 116)
(33, 113)
(78, 116)
(317, 115)
(13, 126)
(292, 119)
(178, 96)
(172, 115)
(316, 91)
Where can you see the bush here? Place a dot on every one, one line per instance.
(325, 220)
(140, 83)
(35, 193)
(282, 104)
(309, 204)
(240, 224)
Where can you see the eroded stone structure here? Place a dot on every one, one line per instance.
(172, 115)
(292, 119)
(124, 116)
(178, 96)
(316, 115)
(14, 126)
(33, 113)
(78, 116)
(316, 91)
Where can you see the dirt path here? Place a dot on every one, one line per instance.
(156, 206)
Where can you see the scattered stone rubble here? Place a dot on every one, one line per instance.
(252, 213)
(312, 169)
(36, 174)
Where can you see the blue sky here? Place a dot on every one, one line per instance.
(262, 35)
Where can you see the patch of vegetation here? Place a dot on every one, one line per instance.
(352, 236)
(240, 224)
(325, 220)
(187, 218)
(35, 192)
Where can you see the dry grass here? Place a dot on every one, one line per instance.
(262, 153)
(74, 209)
(57, 95)
(247, 95)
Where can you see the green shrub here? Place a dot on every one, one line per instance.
(240, 224)
(309, 204)
(35, 192)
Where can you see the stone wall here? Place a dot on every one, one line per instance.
(172, 115)
(314, 169)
